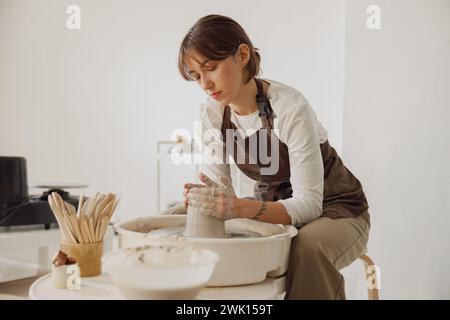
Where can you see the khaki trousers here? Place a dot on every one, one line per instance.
(322, 248)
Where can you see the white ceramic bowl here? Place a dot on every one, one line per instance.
(160, 271)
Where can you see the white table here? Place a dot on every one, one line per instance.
(101, 288)
(42, 240)
(21, 240)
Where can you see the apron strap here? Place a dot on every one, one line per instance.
(265, 110)
(226, 120)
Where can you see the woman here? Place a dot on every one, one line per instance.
(310, 188)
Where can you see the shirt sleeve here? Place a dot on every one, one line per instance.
(208, 142)
(299, 133)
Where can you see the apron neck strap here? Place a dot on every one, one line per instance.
(261, 100)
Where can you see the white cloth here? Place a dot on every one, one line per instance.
(297, 127)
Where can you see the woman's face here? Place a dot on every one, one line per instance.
(221, 80)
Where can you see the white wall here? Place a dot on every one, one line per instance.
(396, 140)
(88, 106)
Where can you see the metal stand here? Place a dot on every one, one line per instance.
(158, 165)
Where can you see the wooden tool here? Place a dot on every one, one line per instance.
(88, 222)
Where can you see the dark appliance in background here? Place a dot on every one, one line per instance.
(17, 207)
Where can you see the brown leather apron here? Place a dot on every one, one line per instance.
(343, 196)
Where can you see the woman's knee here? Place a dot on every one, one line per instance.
(308, 244)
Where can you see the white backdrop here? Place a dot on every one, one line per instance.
(396, 140)
(89, 106)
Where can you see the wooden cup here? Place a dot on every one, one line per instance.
(87, 255)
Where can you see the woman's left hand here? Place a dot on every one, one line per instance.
(217, 199)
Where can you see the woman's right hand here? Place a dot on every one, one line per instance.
(203, 178)
(187, 187)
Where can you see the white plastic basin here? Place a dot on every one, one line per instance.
(242, 260)
(160, 271)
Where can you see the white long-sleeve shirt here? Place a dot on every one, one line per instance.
(295, 125)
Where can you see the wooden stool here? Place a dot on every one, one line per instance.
(370, 269)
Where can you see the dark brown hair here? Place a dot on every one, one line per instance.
(217, 37)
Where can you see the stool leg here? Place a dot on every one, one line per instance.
(371, 292)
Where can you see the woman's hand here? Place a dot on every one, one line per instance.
(188, 186)
(216, 199)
